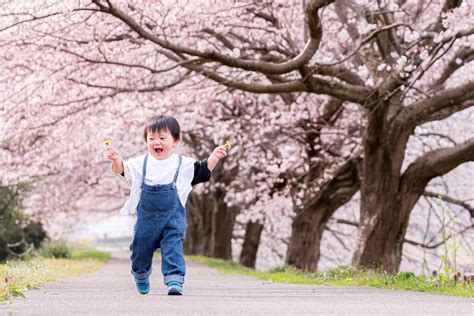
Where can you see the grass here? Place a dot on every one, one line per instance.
(81, 254)
(17, 276)
(349, 276)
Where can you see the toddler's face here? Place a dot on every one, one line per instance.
(160, 144)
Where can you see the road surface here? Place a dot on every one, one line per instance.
(110, 291)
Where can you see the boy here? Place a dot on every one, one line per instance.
(160, 184)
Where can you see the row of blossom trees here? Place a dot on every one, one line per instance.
(323, 99)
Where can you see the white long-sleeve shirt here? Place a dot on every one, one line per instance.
(191, 172)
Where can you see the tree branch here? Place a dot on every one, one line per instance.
(365, 41)
(437, 163)
(419, 244)
(464, 55)
(336, 88)
(33, 18)
(411, 242)
(269, 17)
(220, 37)
(339, 72)
(115, 63)
(449, 100)
(448, 37)
(451, 200)
(444, 113)
(451, 4)
(117, 90)
(251, 65)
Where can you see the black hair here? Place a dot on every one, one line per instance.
(158, 123)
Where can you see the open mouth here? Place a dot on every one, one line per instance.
(158, 150)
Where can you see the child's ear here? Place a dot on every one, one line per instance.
(176, 142)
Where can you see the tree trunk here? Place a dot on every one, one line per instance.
(305, 240)
(308, 225)
(383, 246)
(210, 221)
(388, 195)
(381, 236)
(223, 225)
(210, 224)
(253, 232)
(383, 215)
(199, 228)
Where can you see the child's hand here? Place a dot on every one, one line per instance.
(117, 164)
(113, 154)
(219, 152)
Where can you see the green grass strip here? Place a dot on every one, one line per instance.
(20, 275)
(348, 276)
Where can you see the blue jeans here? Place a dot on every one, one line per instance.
(161, 223)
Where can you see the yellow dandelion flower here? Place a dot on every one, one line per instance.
(228, 145)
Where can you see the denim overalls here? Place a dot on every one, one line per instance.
(161, 223)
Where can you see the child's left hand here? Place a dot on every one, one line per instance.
(219, 152)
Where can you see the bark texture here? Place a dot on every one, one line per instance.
(253, 232)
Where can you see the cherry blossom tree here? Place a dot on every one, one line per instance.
(96, 61)
(399, 51)
(343, 71)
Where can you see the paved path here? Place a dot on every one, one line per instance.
(110, 291)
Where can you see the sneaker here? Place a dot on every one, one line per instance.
(175, 288)
(143, 285)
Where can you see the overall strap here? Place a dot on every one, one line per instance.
(177, 171)
(144, 170)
